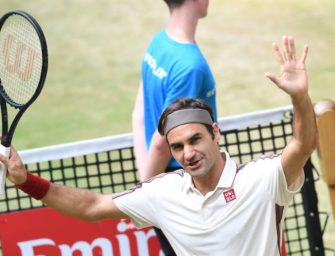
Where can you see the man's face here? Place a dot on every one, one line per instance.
(194, 148)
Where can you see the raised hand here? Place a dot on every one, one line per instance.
(293, 76)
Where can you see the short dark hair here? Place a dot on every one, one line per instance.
(174, 3)
(184, 103)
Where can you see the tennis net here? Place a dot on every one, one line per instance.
(107, 165)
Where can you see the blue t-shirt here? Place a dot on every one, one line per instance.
(172, 70)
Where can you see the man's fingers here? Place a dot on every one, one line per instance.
(291, 48)
(272, 77)
(277, 54)
(286, 49)
(289, 51)
(304, 53)
(4, 159)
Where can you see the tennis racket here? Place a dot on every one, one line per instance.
(23, 69)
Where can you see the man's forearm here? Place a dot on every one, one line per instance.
(304, 140)
(72, 201)
(304, 124)
(140, 149)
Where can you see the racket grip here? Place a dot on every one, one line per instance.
(3, 170)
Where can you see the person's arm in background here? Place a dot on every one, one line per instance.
(156, 160)
(293, 80)
(140, 149)
(159, 157)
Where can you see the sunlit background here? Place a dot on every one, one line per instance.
(95, 50)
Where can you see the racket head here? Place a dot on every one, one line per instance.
(24, 59)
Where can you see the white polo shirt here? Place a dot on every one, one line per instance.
(242, 216)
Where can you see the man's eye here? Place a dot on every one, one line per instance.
(195, 140)
(176, 147)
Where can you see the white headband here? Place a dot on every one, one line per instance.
(186, 116)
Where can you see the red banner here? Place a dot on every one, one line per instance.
(45, 232)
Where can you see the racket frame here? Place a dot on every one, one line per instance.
(8, 132)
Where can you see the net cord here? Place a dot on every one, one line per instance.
(126, 140)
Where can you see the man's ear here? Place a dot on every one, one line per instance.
(216, 131)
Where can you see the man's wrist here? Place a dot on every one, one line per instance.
(301, 99)
(34, 186)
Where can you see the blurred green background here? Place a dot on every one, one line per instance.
(95, 50)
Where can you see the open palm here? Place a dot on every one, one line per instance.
(293, 76)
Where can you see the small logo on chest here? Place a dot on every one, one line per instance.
(229, 195)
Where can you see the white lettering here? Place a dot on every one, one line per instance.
(100, 245)
(123, 239)
(86, 249)
(27, 247)
(210, 93)
(142, 241)
(157, 71)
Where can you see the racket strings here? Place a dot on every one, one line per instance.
(21, 59)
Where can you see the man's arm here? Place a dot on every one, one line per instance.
(293, 80)
(140, 148)
(79, 203)
(156, 160)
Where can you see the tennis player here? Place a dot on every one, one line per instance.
(212, 206)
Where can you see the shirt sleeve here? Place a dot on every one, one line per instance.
(275, 180)
(138, 204)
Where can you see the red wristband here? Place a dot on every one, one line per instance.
(34, 186)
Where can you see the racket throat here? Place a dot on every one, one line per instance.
(5, 141)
